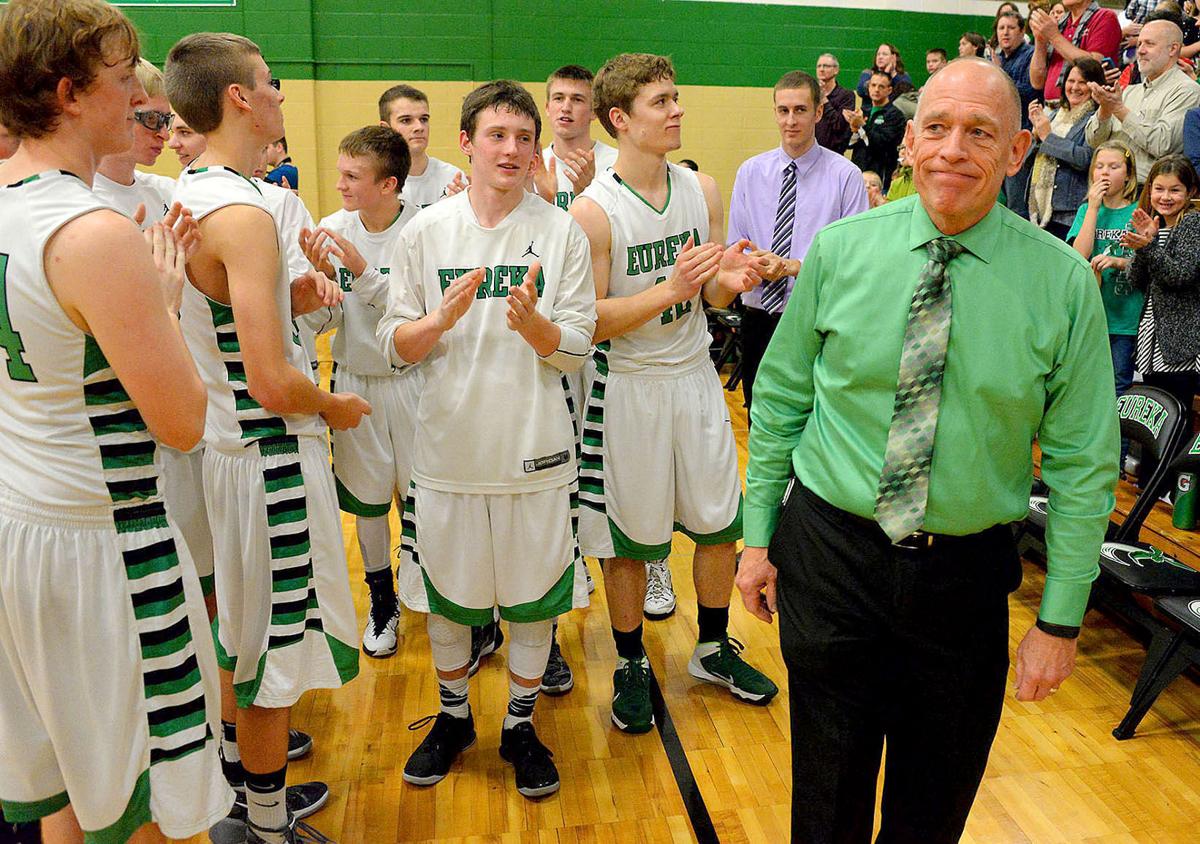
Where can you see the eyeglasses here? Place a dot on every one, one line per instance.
(274, 83)
(155, 121)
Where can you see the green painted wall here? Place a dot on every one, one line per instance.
(711, 43)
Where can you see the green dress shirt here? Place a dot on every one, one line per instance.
(1028, 358)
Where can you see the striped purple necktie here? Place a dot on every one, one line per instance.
(773, 292)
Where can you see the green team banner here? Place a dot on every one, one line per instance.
(160, 3)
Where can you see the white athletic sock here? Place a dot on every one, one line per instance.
(266, 805)
(454, 696)
(521, 701)
(374, 541)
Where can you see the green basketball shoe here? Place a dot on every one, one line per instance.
(721, 663)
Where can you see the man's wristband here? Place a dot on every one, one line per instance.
(1060, 631)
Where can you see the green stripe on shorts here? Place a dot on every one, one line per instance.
(732, 533)
(348, 503)
(555, 602)
(18, 812)
(443, 606)
(623, 546)
(135, 816)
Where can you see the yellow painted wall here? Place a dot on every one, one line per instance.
(721, 128)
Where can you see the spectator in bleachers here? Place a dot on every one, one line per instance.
(972, 44)
(887, 60)
(1166, 265)
(1058, 182)
(1085, 30)
(902, 180)
(833, 132)
(1149, 116)
(994, 42)
(877, 129)
(1013, 53)
(689, 164)
(874, 186)
(935, 60)
(904, 97)
(1135, 16)
(1096, 235)
(1191, 136)
(282, 171)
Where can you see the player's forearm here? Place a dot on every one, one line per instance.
(286, 391)
(717, 294)
(412, 341)
(541, 334)
(623, 314)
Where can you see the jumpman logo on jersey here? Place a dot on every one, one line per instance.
(530, 251)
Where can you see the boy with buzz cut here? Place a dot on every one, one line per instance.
(406, 110)
(285, 620)
(107, 673)
(490, 517)
(371, 463)
(658, 448)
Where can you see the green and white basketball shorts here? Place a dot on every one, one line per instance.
(658, 456)
(183, 489)
(285, 619)
(474, 553)
(109, 697)
(373, 462)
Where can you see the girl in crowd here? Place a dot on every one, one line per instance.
(1058, 183)
(887, 60)
(1166, 266)
(972, 44)
(1096, 235)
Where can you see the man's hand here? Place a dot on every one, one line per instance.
(1043, 26)
(741, 270)
(855, 118)
(693, 267)
(457, 299)
(458, 185)
(1107, 99)
(522, 300)
(347, 411)
(169, 260)
(756, 581)
(581, 169)
(545, 177)
(1043, 662)
(331, 243)
(187, 230)
(317, 249)
(312, 291)
(773, 267)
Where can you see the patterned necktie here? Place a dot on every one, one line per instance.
(904, 483)
(781, 243)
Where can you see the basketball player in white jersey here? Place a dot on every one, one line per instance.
(285, 620)
(185, 142)
(118, 182)
(371, 463)
(658, 446)
(492, 290)
(107, 675)
(406, 110)
(575, 159)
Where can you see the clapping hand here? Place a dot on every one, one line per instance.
(314, 290)
(1144, 232)
(741, 269)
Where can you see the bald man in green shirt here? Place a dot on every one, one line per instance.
(928, 343)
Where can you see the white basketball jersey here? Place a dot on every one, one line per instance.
(69, 433)
(493, 416)
(606, 157)
(291, 215)
(354, 345)
(235, 419)
(148, 189)
(426, 189)
(645, 243)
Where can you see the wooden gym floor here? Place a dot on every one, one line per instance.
(1055, 774)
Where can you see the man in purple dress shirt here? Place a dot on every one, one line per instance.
(781, 199)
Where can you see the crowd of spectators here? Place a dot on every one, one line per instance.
(1112, 100)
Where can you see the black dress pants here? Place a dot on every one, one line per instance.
(758, 326)
(885, 645)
